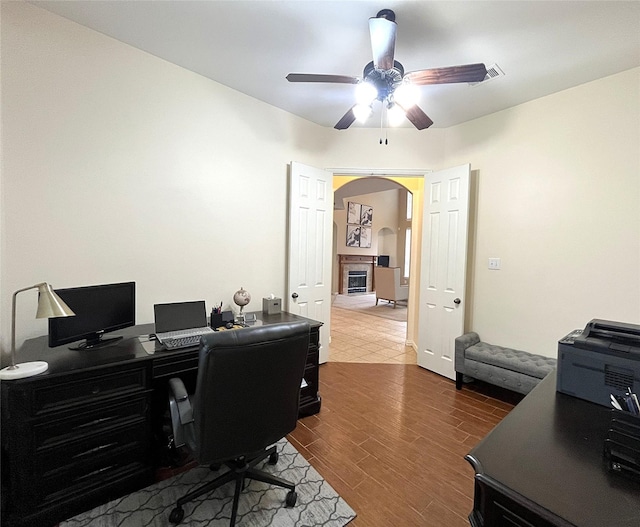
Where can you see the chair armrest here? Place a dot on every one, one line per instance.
(180, 410)
(462, 343)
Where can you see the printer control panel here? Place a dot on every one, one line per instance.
(571, 337)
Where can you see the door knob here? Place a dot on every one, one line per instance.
(294, 295)
(456, 301)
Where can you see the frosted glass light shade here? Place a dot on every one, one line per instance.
(407, 95)
(366, 93)
(396, 115)
(362, 112)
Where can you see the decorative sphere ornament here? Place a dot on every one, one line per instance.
(241, 298)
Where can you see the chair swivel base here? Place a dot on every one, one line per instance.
(240, 470)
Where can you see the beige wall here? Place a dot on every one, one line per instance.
(106, 150)
(385, 214)
(558, 200)
(117, 165)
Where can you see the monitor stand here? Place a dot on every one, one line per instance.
(97, 342)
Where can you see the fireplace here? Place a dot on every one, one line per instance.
(357, 282)
(356, 273)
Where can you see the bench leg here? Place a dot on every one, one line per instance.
(459, 380)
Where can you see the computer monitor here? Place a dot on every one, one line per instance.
(383, 260)
(99, 309)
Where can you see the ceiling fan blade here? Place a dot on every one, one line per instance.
(418, 118)
(319, 77)
(347, 120)
(465, 73)
(383, 42)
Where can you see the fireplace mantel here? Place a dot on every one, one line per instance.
(355, 262)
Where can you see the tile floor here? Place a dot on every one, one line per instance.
(359, 337)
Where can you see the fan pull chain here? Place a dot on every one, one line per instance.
(382, 112)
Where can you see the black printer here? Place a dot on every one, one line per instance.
(601, 360)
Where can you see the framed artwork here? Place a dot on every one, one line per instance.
(366, 215)
(353, 214)
(365, 237)
(353, 235)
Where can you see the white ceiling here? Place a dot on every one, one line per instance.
(542, 46)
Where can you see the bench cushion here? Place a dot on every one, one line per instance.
(510, 359)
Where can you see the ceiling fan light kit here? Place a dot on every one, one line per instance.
(395, 115)
(365, 93)
(384, 79)
(407, 95)
(362, 112)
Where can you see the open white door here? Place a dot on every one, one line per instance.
(443, 268)
(310, 238)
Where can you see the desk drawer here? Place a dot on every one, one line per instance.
(74, 455)
(54, 396)
(67, 503)
(314, 338)
(308, 393)
(51, 432)
(173, 365)
(313, 357)
(67, 485)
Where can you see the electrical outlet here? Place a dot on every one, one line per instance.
(494, 264)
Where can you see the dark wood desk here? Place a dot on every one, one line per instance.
(90, 429)
(543, 466)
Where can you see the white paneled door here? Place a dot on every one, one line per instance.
(310, 241)
(443, 268)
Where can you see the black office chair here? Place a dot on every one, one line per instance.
(246, 399)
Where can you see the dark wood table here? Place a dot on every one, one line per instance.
(92, 427)
(543, 465)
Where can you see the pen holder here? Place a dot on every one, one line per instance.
(622, 445)
(216, 320)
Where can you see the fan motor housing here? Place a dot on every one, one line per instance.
(385, 81)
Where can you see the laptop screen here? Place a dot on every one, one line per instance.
(180, 315)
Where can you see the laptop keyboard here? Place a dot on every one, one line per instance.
(182, 342)
(184, 338)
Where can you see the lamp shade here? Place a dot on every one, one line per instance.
(50, 305)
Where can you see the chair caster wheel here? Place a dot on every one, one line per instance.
(273, 458)
(292, 497)
(176, 515)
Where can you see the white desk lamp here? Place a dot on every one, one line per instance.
(50, 305)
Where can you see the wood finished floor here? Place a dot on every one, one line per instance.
(391, 437)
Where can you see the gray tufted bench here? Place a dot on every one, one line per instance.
(512, 369)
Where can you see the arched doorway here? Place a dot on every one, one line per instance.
(394, 238)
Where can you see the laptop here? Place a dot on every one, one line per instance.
(180, 324)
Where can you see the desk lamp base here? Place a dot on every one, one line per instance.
(25, 369)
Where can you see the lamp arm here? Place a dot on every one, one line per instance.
(13, 322)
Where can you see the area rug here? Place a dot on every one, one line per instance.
(366, 303)
(261, 505)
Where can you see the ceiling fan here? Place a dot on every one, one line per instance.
(384, 79)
